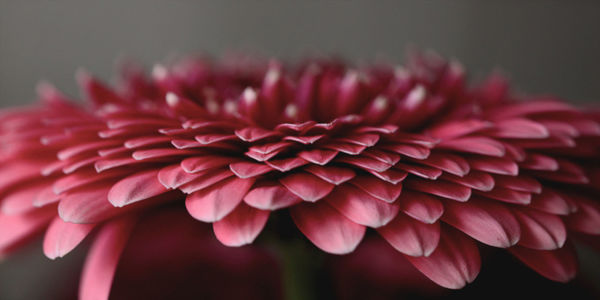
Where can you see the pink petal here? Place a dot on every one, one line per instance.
(103, 257)
(364, 162)
(413, 151)
(361, 208)
(392, 176)
(420, 170)
(440, 188)
(247, 169)
(174, 176)
(62, 237)
(488, 222)
(331, 174)
(20, 200)
(521, 183)
(558, 265)
(241, 226)
(136, 187)
(494, 165)
(410, 236)
(287, 164)
(205, 179)
(307, 186)
(450, 163)
(539, 230)
(318, 156)
(216, 202)
(539, 162)
(507, 195)
(551, 202)
(270, 196)
(423, 207)
(85, 177)
(454, 129)
(253, 134)
(326, 228)
(454, 263)
(476, 145)
(16, 229)
(476, 180)
(202, 163)
(587, 217)
(377, 188)
(519, 128)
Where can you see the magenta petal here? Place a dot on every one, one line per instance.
(477, 145)
(540, 230)
(476, 180)
(450, 163)
(103, 257)
(270, 196)
(136, 187)
(361, 208)
(520, 128)
(439, 188)
(551, 202)
(522, 183)
(62, 237)
(247, 169)
(241, 226)
(307, 186)
(558, 265)
(205, 179)
(326, 228)
(318, 156)
(378, 188)
(331, 174)
(587, 217)
(216, 202)
(496, 165)
(454, 263)
(423, 207)
(410, 236)
(174, 176)
(17, 228)
(202, 163)
(490, 223)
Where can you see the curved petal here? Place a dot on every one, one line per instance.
(217, 201)
(558, 265)
(362, 208)
(410, 236)
(307, 186)
(241, 226)
(488, 222)
(454, 263)
(326, 228)
(101, 262)
(136, 187)
(62, 237)
(540, 230)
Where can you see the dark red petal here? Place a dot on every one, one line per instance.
(410, 236)
(327, 228)
(558, 265)
(421, 206)
(439, 188)
(241, 226)
(361, 208)
(488, 222)
(270, 196)
(540, 230)
(378, 188)
(216, 202)
(477, 145)
(307, 186)
(331, 174)
(454, 263)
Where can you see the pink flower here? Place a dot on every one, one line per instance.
(433, 166)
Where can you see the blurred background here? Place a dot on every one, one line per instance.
(543, 46)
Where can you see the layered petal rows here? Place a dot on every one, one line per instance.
(433, 166)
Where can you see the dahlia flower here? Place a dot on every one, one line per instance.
(434, 166)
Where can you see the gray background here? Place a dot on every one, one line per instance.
(544, 47)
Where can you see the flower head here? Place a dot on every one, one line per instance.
(433, 166)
